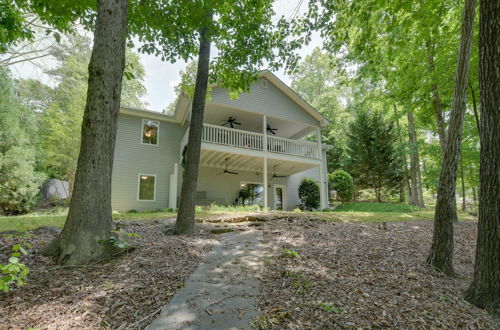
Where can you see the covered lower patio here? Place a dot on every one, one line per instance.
(274, 181)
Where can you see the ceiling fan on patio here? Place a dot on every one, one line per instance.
(277, 176)
(271, 130)
(231, 121)
(226, 171)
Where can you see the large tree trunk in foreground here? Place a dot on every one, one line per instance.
(89, 219)
(414, 163)
(186, 214)
(484, 291)
(441, 253)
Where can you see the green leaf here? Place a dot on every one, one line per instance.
(13, 260)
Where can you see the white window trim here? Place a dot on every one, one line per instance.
(264, 83)
(139, 188)
(157, 133)
(282, 186)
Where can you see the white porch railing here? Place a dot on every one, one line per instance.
(292, 147)
(231, 137)
(250, 140)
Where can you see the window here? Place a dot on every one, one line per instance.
(147, 187)
(150, 130)
(263, 83)
(251, 193)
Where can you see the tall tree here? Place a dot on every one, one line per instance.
(484, 291)
(321, 81)
(246, 39)
(186, 212)
(373, 159)
(63, 108)
(403, 158)
(441, 253)
(415, 176)
(85, 235)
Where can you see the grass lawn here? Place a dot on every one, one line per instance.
(375, 207)
(37, 219)
(57, 216)
(349, 212)
(382, 212)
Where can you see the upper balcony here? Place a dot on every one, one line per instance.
(257, 132)
(250, 140)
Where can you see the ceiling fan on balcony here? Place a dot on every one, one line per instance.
(275, 175)
(226, 171)
(231, 121)
(271, 130)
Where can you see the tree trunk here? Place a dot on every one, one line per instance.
(185, 217)
(405, 164)
(484, 291)
(441, 253)
(474, 107)
(474, 195)
(414, 161)
(86, 233)
(436, 102)
(419, 184)
(463, 181)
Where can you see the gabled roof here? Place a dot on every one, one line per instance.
(294, 96)
(183, 104)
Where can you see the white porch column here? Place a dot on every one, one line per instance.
(264, 132)
(264, 148)
(322, 178)
(172, 195)
(264, 181)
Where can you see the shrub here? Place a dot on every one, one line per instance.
(309, 194)
(18, 182)
(342, 183)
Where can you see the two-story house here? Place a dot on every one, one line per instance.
(255, 142)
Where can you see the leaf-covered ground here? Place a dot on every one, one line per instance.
(360, 276)
(127, 292)
(322, 274)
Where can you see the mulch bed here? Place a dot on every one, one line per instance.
(331, 275)
(360, 276)
(127, 292)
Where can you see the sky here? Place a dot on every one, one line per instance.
(161, 77)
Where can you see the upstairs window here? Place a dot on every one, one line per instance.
(150, 131)
(263, 83)
(146, 187)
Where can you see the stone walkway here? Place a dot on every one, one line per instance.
(222, 292)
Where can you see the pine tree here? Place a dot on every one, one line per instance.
(372, 152)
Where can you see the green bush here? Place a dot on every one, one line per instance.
(19, 183)
(309, 194)
(342, 183)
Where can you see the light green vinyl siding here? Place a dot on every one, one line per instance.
(133, 158)
(269, 101)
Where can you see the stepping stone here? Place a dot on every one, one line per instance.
(222, 292)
